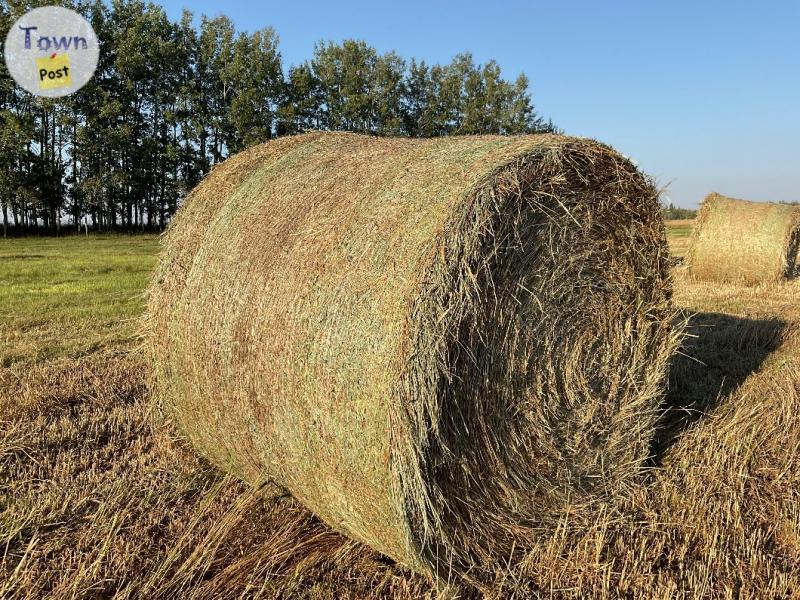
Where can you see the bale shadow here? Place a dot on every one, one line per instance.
(716, 357)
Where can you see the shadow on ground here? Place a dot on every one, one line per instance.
(718, 355)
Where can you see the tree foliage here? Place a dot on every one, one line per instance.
(170, 99)
(672, 212)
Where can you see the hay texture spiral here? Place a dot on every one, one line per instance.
(435, 345)
(747, 242)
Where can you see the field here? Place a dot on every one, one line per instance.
(99, 495)
(679, 233)
(68, 297)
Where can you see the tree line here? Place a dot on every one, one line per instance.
(671, 212)
(170, 99)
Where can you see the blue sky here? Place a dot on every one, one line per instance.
(705, 96)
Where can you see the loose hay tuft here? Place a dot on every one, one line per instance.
(436, 345)
(740, 241)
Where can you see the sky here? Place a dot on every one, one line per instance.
(703, 95)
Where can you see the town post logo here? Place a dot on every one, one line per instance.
(51, 51)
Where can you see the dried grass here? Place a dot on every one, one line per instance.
(740, 241)
(95, 501)
(440, 347)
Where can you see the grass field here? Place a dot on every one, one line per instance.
(71, 296)
(679, 233)
(99, 495)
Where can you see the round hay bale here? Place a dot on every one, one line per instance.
(740, 241)
(435, 345)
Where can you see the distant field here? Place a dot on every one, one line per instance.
(98, 498)
(70, 295)
(678, 234)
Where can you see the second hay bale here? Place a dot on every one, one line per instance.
(740, 241)
(435, 345)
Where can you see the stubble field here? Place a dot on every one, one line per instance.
(100, 496)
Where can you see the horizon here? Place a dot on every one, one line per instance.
(694, 110)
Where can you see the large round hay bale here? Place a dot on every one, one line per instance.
(435, 345)
(741, 241)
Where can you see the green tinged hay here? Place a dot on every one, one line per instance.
(435, 345)
(740, 241)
